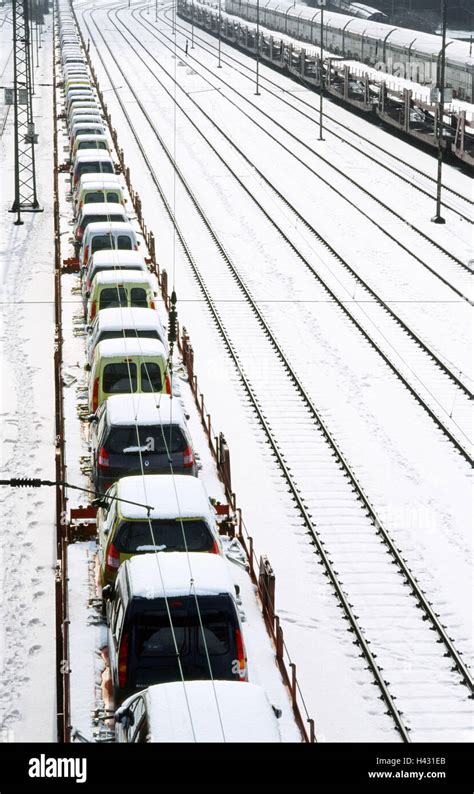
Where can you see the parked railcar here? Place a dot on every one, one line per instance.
(407, 53)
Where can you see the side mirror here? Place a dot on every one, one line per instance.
(90, 417)
(125, 718)
(99, 502)
(108, 592)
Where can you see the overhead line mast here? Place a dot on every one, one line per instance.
(25, 138)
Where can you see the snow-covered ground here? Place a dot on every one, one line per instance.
(27, 538)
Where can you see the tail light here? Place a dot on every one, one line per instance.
(93, 309)
(95, 395)
(168, 384)
(80, 233)
(123, 660)
(241, 656)
(112, 561)
(152, 305)
(135, 247)
(103, 459)
(215, 548)
(188, 457)
(86, 255)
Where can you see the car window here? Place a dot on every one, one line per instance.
(97, 197)
(112, 198)
(151, 377)
(102, 242)
(139, 297)
(124, 242)
(119, 378)
(128, 333)
(135, 537)
(91, 145)
(154, 637)
(111, 297)
(216, 635)
(158, 439)
(117, 617)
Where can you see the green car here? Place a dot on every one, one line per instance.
(182, 519)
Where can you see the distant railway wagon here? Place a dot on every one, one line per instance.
(407, 53)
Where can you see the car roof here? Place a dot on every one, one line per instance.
(102, 207)
(120, 227)
(113, 276)
(153, 576)
(117, 348)
(125, 409)
(93, 155)
(210, 711)
(85, 138)
(112, 258)
(171, 495)
(129, 317)
(101, 184)
(87, 179)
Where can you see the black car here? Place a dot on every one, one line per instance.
(147, 632)
(129, 431)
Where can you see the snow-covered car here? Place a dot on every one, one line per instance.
(153, 608)
(124, 366)
(97, 213)
(119, 323)
(200, 711)
(126, 289)
(181, 519)
(107, 237)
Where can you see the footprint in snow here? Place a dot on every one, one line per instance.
(38, 594)
(34, 649)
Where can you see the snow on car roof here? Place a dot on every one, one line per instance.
(117, 348)
(103, 227)
(112, 277)
(128, 317)
(102, 208)
(156, 575)
(171, 495)
(427, 43)
(92, 155)
(148, 409)
(114, 257)
(230, 711)
(96, 179)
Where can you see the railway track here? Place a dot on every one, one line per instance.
(460, 205)
(306, 452)
(406, 344)
(406, 230)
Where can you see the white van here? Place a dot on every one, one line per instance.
(91, 162)
(110, 260)
(107, 236)
(124, 323)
